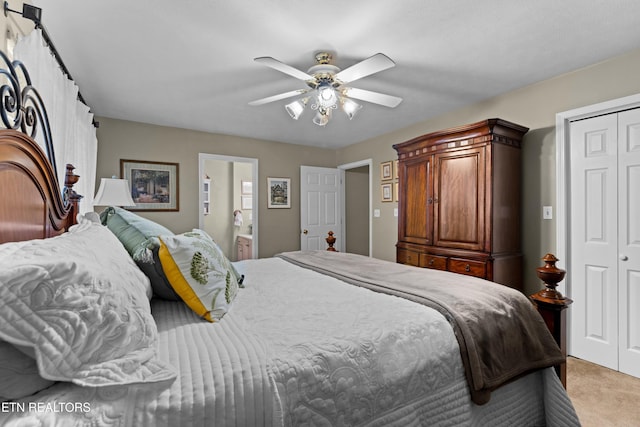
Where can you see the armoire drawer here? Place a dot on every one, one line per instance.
(433, 261)
(408, 257)
(465, 266)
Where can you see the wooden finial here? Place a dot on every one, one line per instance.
(330, 241)
(551, 276)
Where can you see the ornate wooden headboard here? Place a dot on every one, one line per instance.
(32, 204)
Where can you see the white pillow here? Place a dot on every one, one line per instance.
(19, 375)
(79, 300)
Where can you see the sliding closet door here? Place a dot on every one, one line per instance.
(605, 240)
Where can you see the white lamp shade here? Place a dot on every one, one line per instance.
(113, 192)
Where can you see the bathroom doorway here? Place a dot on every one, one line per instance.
(228, 203)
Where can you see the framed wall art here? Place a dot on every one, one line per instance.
(247, 187)
(154, 185)
(279, 193)
(246, 202)
(386, 192)
(386, 170)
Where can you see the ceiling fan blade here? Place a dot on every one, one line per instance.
(373, 97)
(371, 65)
(279, 97)
(284, 68)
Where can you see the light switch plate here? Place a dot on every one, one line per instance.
(547, 212)
(376, 213)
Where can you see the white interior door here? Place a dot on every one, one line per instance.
(605, 240)
(629, 242)
(320, 207)
(594, 235)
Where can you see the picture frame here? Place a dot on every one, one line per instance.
(386, 170)
(279, 196)
(246, 187)
(246, 202)
(386, 192)
(397, 192)
(153, 185)
(395, 169)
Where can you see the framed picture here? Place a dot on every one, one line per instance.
(386, 170)
(247, 187)
(397, 197)
(395, 169)
(247, 202)
(386, 192)
(279, 193)
(154, 185)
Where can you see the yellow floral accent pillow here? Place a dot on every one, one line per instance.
(199, 272)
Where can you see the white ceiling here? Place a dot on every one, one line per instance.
(189, 63)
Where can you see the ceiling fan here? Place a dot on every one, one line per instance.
(328, 86)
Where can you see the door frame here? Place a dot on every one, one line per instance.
(345, 167)
(563, 186)
(202, 157)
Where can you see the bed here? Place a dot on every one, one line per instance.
(89, 337)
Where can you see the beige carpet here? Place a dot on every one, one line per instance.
(603, 397)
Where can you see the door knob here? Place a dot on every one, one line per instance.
(623, 257)
(305, 231)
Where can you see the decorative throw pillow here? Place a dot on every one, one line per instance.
(153, 269)
(140, 237)
(19, 376)
(199, 272)
(136, 233)
(79, 301)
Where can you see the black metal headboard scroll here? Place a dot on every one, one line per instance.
(22, 108)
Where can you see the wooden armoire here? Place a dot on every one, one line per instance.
(459, 201)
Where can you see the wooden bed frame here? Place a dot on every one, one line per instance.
(32, 205)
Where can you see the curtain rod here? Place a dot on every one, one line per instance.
(34, 14)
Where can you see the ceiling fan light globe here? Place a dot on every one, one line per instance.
(295, 109)
(350, 107)
(321, 119)
(327, 97)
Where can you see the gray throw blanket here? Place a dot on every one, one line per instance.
(500, 333)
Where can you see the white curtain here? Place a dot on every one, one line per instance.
(72, 131)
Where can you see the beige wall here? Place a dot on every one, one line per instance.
(533, 106)
(279, 228)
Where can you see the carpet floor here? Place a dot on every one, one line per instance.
(603, 397)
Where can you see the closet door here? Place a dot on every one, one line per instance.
(629, 242)
(605, 240)
(594, 240)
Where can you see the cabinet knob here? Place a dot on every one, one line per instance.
(430, 200)
(467, 268)
(431, 261)
(623, 257)
(305, 231)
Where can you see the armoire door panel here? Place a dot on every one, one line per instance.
(417, 202)
(459, 193)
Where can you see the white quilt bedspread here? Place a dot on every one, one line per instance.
(337, 355)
